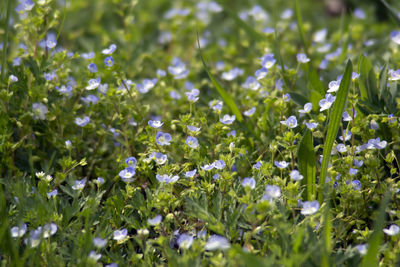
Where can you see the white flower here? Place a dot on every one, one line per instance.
(310, 207)
(40, 110)
(392, 230)
(120, 234)
(217, 242)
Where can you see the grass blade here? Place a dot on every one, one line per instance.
(368, 83)
(249, 30)
(333, 125)
(391, 11)
(301, 27)
(306, 157)
(228, 100)
(5, 41)
(371, 259)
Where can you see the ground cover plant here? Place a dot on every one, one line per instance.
(197, 133)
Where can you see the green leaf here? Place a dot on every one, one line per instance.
(228, 100)
(306, 158)
(367, 81)
(333, 125)
(327, 234)
(371, 259)
(300, 26)
(315, 83)
(298, 98)
(391, 11)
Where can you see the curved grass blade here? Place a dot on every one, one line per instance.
(333, 125)
(371, 259)
(306, 158)
(228, 100)
(301, 27)
(391, 11)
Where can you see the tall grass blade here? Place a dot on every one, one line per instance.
(391, 11)
(371, 259)
(333, 125)
(228, 100)
(301, 27)
(306, 158)
(5, 41)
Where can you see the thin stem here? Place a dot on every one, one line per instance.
(5, 41)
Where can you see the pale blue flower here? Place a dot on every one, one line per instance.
(287, 13)
(290, 122)
(154, 221)
(109, 50)
(90, 99)
(160, 158)
(227, 119)
(39, 110)
(190, 174)
(49, 76)
(13, 78)
(359, 13)
(120, 234)
(310, 207)
(215, 242)
(249, 182)
(167, 179)
(161, 73)
(99, 181)
(261, 73)
(94, 256)
(51, 40)
(131, 162)
(394, 75)
(175, 95)
(391, 118)
(82, 121)
(79, 184)
(155, 123)
(216, 105)
(232, 74)
(185, 241)
(307, 108)
(251, 83)
(395, 36)
(258, 165)
(163, 139)
(18, 231)
(281, 164)
(192, 142)
(341, 148)
(99, 242)
(295, 175)
(127, 174)
(52, 193)
(178, 69)
(109, 61)
(93, 84)
(193, 129)
(326, 102)
(219, 164)
(358, 163)
(286, 97)
(333, 86)
(216, 176)
(146, 85)
(353, 172)
(64, 89)
(347, 137)
(92, 67)
(362, 249)
(208, 167)
(302, 58)
(392, 230)
(346, 116)
(268, 60)
(320, 36)
(192, 96)
(271, 192)
(89, 55)
(311, 125)
(249, 112)
(268, 30)
(25, 5)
